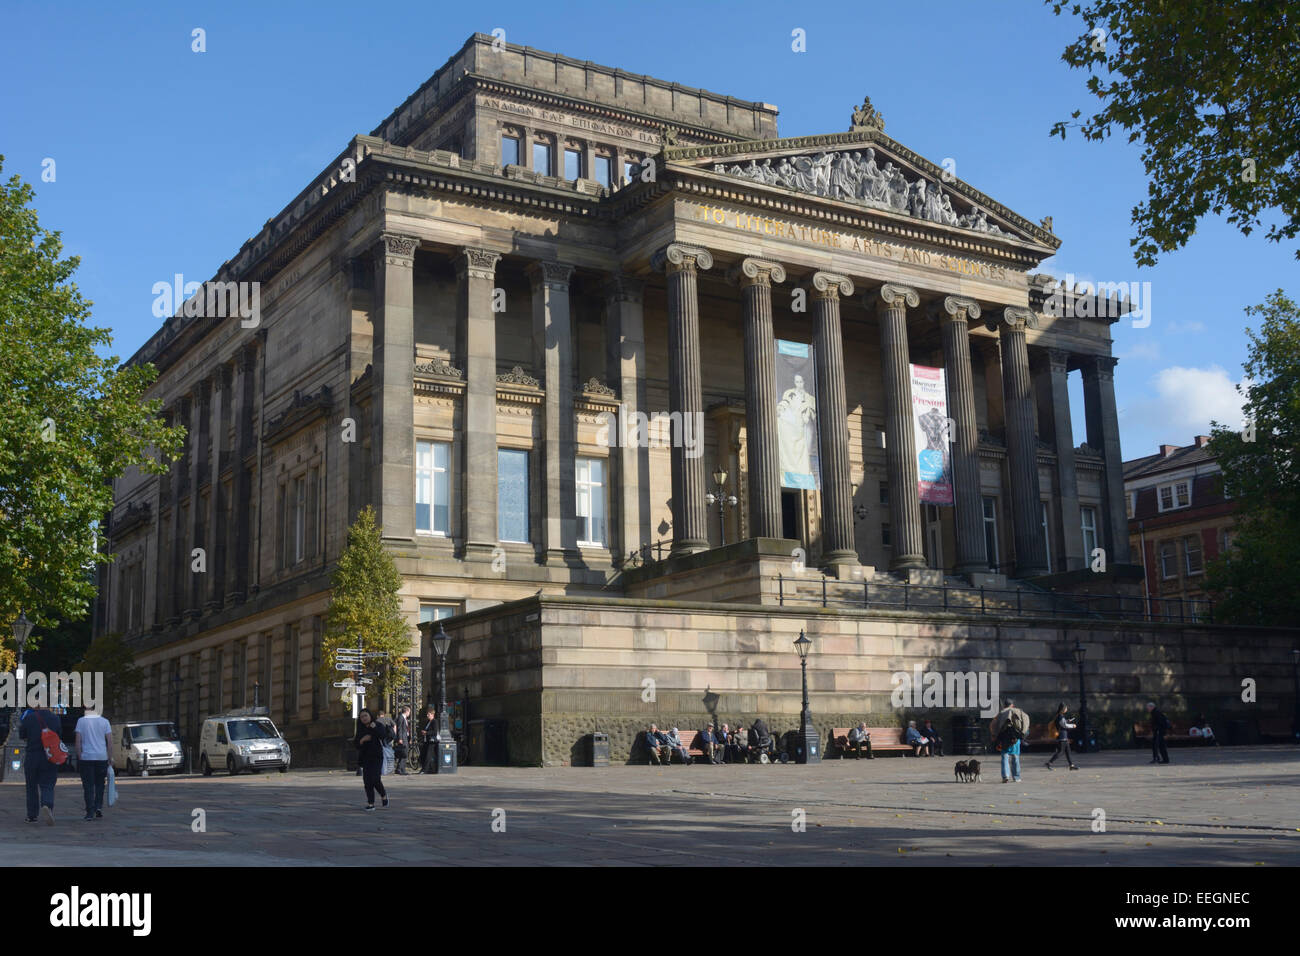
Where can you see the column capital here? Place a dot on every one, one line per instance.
(396, 249)
(549, 273)
(752, 271)
(1103, 365)
(896, 296)
(624, 288)
(957, 308)
(1058, 360)
(1014, 318)
(476, 263)
(831, 285)
(679, 257)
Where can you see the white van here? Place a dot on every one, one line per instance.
(243, 739)
(147, 744)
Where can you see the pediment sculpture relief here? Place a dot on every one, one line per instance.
(856, 177)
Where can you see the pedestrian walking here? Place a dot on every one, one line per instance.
(428, 735)
(94, 753)
(402, 739)
(45, 754)
(1159, 727)
(1009, 728)
(1063, 728)
(371, 737)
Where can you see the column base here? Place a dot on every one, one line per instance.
(986, 579)
(688, 546)
(841, 564)
(906, 562)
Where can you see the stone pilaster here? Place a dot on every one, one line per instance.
(1022, 442)
(1067, 475)
(685, 392)
(239, 559)
(553, 352)
(195, 534)
(392, 442)
(900, 437)
(838, 548)
(625, 346)
(476, 272)
(755, 278)
(955, 315)
(1103, 432)
(218, 516)
(164, 569)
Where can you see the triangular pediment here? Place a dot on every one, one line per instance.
(867, 169)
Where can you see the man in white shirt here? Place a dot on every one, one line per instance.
(94, 751)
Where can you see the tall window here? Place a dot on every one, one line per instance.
(432, 487)
(299, 549)
(991, 531)
(1047, 538)
(604, 173)
(1168, 562)
(1088, 523)
(512, 494)
(1131, 500)
(542, 159)
(591, 501)
(1176, 495)
(435, 612)
(509, 150)
(1192, 554)
(572, 164)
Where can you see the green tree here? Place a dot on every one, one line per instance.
(1254, 581)
(1211, 88)
(110, 655)
(71, 420)
(364, 609)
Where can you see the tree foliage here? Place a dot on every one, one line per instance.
(364, 608)
(1254, 582)
(1211, 88)
(71, 420)
(110, 655)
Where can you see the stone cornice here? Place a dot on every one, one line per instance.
(303, 409)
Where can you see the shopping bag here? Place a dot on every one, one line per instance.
(111, 789)
(388, 764)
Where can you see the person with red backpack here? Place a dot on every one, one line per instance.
(46, 753)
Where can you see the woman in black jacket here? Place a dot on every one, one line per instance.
(370, 755)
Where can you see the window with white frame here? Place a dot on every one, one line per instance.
(1168, 561)
(1132, 497)
(299, 518)
(1193, 559)
(1177, 494)
(435, 612)
(512, 495)
(432, 487)
(1088, 525)
(591, 501)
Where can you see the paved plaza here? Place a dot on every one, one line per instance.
(1226, 805)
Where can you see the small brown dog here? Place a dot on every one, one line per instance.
(961, 770)
(973, 771)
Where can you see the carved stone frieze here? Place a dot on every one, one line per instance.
(517, 376)
(440, 368)
(596, 387)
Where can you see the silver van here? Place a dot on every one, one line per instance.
(147, 744)
(243, 739)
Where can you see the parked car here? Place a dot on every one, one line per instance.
(151, 744)
(243, 739)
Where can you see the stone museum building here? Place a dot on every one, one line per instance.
(639, 391)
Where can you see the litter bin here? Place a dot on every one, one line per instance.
(968, 736)
(596, 749)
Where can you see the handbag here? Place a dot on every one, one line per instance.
(110, 791)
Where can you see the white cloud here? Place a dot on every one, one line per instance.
(1191, 325)
(1181, 402)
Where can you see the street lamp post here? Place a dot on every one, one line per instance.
(722, 500)
(446, 761)
(13, 753)
(809, 750)
(1080, 652)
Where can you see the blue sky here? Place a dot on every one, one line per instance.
(167, 159)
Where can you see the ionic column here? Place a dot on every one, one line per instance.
(832, 420)
(1103, 433)
(755, 277)
(685, 393)
(900, 435)
(553, 348)
(392, 443)
(954, 318)
(625, 347)
(1022, 443)
(476, 274)
(1067, 476)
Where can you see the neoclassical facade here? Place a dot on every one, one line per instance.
(526, 319)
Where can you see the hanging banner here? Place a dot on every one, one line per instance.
(796, 416)
(933, 449)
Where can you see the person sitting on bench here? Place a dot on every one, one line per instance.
(711, 748)
(739, 746)
(675, 743)
(936, 742)
(858, 739)
(760, 738)
(656, 745)
(1201, 728)
(919, 743)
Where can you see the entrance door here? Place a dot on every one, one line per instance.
(791, 515)
(933, 537)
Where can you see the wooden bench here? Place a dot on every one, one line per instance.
(883, 740)
(1041, 735)
(840, 742)
(1178, 733)
(1275, 728)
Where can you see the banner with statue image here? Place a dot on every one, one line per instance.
(933, 449)
(796, 416)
